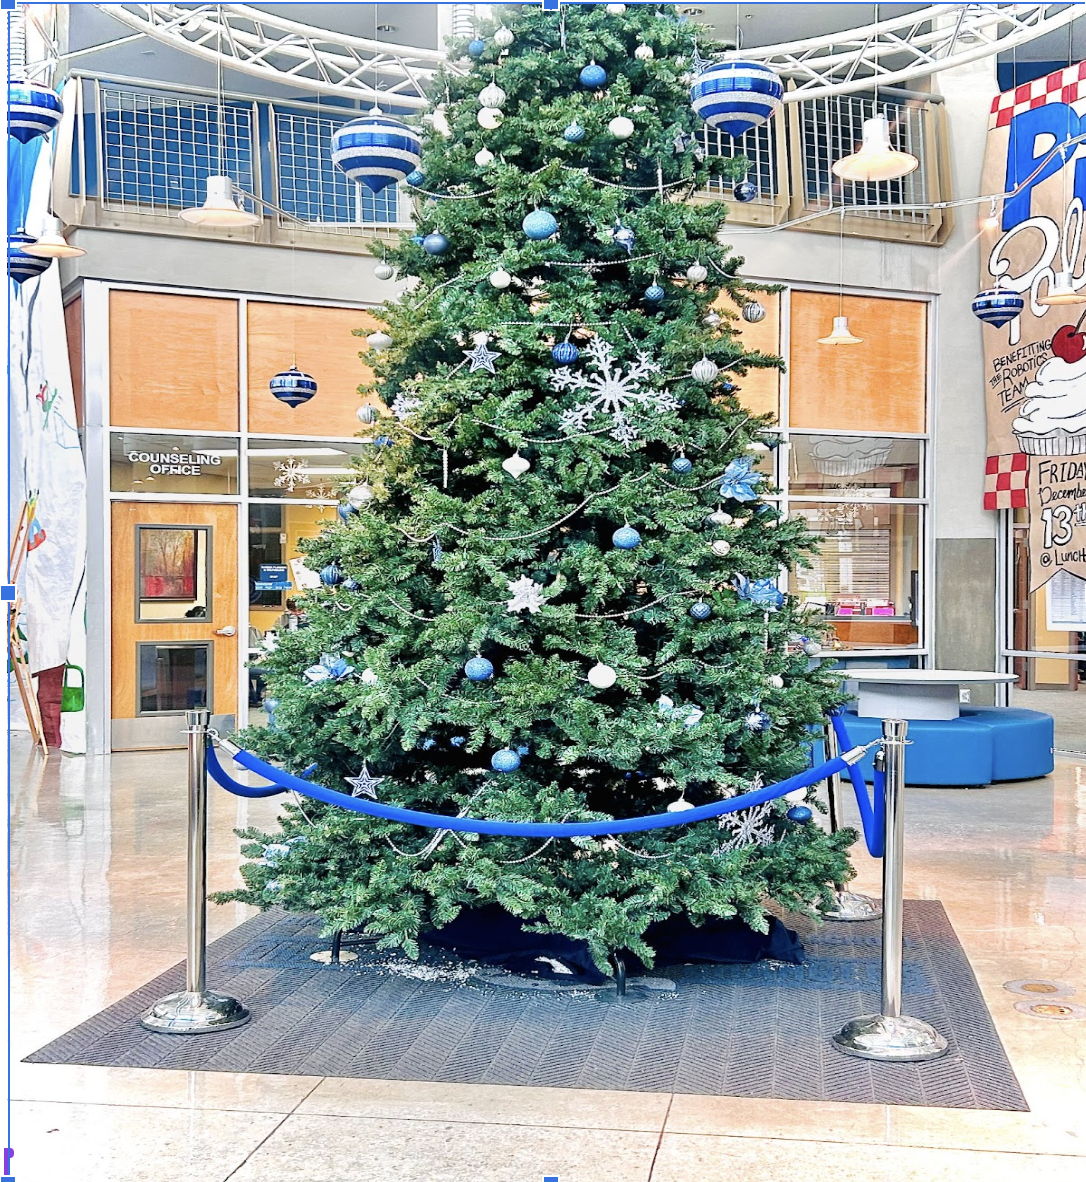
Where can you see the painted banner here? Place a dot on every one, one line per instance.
(1035, 365)
(46, 463)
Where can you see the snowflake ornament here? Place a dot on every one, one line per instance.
(747, 827)
(612, 391)
(527, 595)
(291, 474)
(404, 407)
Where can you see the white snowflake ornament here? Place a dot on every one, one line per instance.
(404, 407)
(527, 595)
(612, 391)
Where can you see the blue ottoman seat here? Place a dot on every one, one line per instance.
(987, 743)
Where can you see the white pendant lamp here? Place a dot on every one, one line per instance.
(876, 160)
(1060, 290)
(220, 208)
(52, 244)
(840, 334)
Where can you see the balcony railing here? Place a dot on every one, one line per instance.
(141, 151)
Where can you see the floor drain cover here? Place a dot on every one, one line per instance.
(1059, 1011)
(1032, 987)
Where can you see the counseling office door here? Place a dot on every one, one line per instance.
(175, 620)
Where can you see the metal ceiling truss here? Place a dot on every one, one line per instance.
(888, 53)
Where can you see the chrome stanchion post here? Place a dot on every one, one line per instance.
(849, 906)
(194, 1010)
(891, 1036)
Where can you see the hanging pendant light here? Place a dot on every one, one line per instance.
(840, 334)
(51, 243)
(220, 208)
(877, 159)
(1062, 291)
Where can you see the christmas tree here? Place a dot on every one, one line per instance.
(552, 594)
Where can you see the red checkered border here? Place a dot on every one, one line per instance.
(1005, 480)
(1063, 86)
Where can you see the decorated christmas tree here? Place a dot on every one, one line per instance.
(552, 592)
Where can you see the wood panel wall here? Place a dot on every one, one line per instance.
(760, 389)
(878, 385)
(321, 342)
(73, 330)
(173, 361)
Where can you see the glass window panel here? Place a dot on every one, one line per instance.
(854, 465)
(866, 574)
(173, 677)
(1051, 620)
(172, 464)
(173, 572)
(298, 470)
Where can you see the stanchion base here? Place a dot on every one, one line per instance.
(852, 908)
(194, 1013)
(890, 1040)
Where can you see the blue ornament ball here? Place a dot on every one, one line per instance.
(479, 669)
(415, 177)
(745, 191)
(565, 352)
(345, 511)
(23, 266)
(997, 306)
(626, 538)
(477, 47)
(270, 705)
(435, 243)
(293, 387)
(458, 740)
(376, 150)
(331, 576)
(681, 465)
(700, 610)
(351, 584)
(735, 96)
(593, 76)
(539, 225)
(573, 133)
(417, 239)
(654, 293)
(505, 760)
(33, 109)
(799, 813)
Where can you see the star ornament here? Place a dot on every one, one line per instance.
(481, 358)
(527, 595)
(364, 784)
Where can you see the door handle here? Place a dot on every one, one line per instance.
(229, 630)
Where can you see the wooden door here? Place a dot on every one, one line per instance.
(175, 619)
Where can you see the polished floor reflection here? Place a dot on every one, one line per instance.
(98, 897)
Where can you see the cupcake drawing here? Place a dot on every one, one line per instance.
(850, 455)
(1052, 417)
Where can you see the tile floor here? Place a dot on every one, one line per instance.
(98, 887)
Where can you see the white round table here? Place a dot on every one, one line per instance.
(916, 693)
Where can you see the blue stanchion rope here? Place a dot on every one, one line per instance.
(284, 781)
(872, 808)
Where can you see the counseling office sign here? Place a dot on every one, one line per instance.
(1035, 366)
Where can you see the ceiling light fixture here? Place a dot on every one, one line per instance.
(51, 244)
(877, 159)
(220, 207)
(1062, 291)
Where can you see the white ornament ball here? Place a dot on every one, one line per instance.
(369, 677)
(602, 676)
(775, 681)
(490, 118)
(705, 371)
(379, 341)
(615, 9)
(679, 806)
(644, 53)
(440, 121)
(503, 38)
(516, 465)
(753, 312)
(696, 273)
(480, 338)
(500, 279)
(719, 517)
(383, 271)
(360, 495)
(621, 127)
(812, 648)
(722, 548)
(492, 96)
(484, 157)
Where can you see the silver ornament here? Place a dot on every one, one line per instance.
(705, 371)
(360, 495)
(615, 9)
(500, 278)
(753, 312)
(722, 548)
(644, 53)
(621, 127)
(516, 465)
(492, 96)
(812, 648)
(679, 806)
(696, 273)
(484, 157)
(383, 271)
(366, 414)
(718, 517)
(711, 319)
(379, 341)
(503, 38)
(775, 681)
(602, 676)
